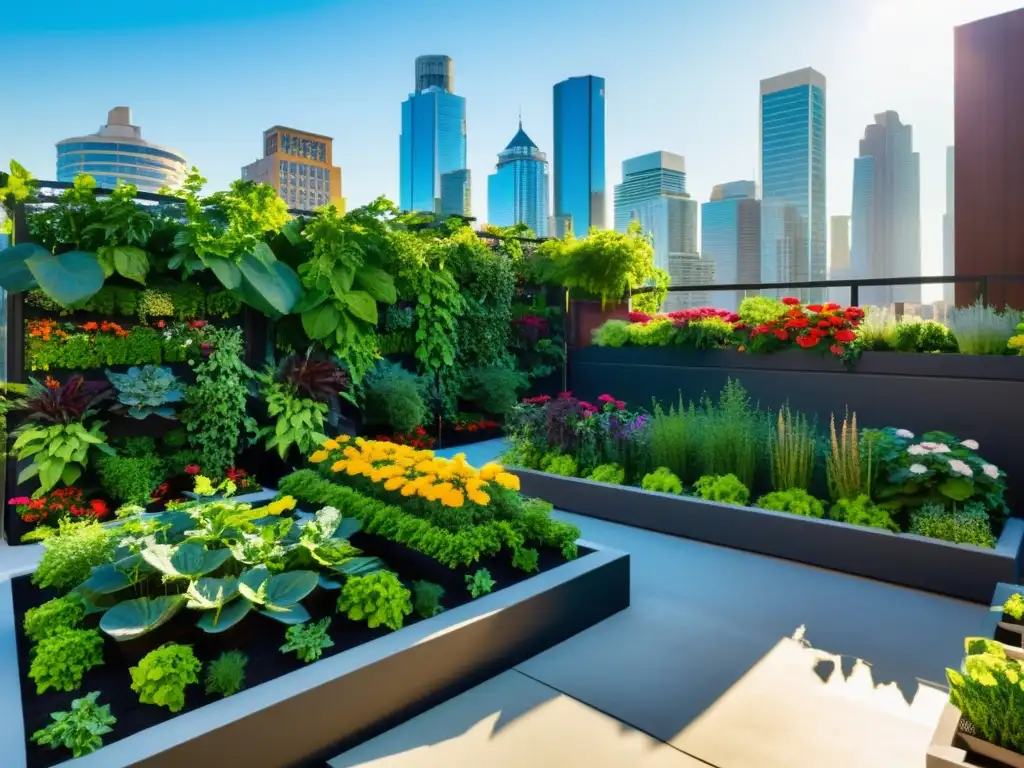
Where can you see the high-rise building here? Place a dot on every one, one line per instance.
(300, 166)
(579, 155)
(949, 232)
(455, 193)
(653, 192)
(887, 211)
(517, 191)
(839, 257)
(730, 226)
(433, 142)
(989, 157)
(435, 71)
(793, 226)
(117, 152)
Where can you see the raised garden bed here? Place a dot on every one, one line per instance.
(371, 679)
(957, 570)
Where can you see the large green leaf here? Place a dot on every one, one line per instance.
(286, 589)
(252, 584)
(359, 566)
(362, 305)
(292, 230)
(264, 254)
(131, 262)
(15, 276)
(341, 279)
(207, 594)
(68, 278)
(294, 614)
(227, 272)
(106, 579)
(320, 322)
(348, 528)
(213, 622)
(184, 561)
(275, 285)
(957, 488)
(378, 283)
(134, 618)
(310, 300)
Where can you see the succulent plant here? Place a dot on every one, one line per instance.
(147, 391)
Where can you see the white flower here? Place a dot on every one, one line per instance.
(991, 470)
(918, 469)
(187, 342)
(918, 450)
(935, 447)
(972, 444)
(167, 334)
(906, 434)
(961, 468)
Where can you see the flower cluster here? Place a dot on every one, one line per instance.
(58, 504)
(104, 327)
(473, 424)
(417, 438)
(683, 316)
(814, 326)
(242, 480)
(45, 329)
(410, 473)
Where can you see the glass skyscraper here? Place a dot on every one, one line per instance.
(517, 191)
(731, 237)
(793, 216)
(579, 155)
(432, 144)
(117, 152)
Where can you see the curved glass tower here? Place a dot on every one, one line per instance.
(117, 152)
(517, 191)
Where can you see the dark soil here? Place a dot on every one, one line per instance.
(257, 636)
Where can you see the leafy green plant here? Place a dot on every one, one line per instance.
(760, 310)
(427, 598)
(662, 480)
(378, 599)
(308, 641)
(526, 559)
(706, 333)
(154, 303)
(608, 473)
(225, 675)
(727, 489)
(215, 415)
(847, 477)
(923, 336)
(393, 396)
(862, 511)
(612, 333)
(793, 450)
(982, 330)
(495, 389)
(561, 464)
(480, 583)
(795, 501)
(1014, 606)
(223, 304)
(53, 617)
(728, 435)
(651, 301)
(69, 557)
(147, 391)
(988, 693)
(671, 438)
(654, 333)
(299, 422)
(130, 480)
(79, 730)
(61, 660)
(965, 525)
(163, 675)
(877, 331)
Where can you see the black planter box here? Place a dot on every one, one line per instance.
(333, 704)
(956, 570)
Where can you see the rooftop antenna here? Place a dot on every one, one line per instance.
(520, 117)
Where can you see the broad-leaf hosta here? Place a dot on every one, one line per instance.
(59, 452)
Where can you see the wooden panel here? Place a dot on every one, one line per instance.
(1013, 160)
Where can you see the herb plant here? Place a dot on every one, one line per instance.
(793, 450)
(298, 422)
(393, 396)
(225, 675)
(480, 583)
(981, 329)
(308, 641)
(847, 478)
(79, 730)
(611, 333)
(796, 501)
(862, 511)
(53, 617)
(163, 674)
(608, 473)
(61, 660)
(130, 479)
(427, 598)
(968, 524)
(494, 389)
(1014, 606)
(69, 557)
(662, 480)
(559, 464)
(988, 693)
(147, 391)
(378, 599)
(724, 488)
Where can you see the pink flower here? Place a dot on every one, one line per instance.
(606, 399)
(564, 395)
(19, 500)
(620, 405)
(970, 444)
(192, 469)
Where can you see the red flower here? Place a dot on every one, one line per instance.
(99, 507)
(836, 349)
(763, 328)
(564, 395)
(818, 333)
(196, 324)
(796, 312)
(781, 334)
(19, 500)
(639, 317)
(539, 400)
(606, 399)
(807, 341)
(814, 307)
(845, 335)
(837, 321)
(789, 301)
(824, 324)
(740, 327)
(192, 469)
(620, 405)
(798, 322)
(160, 324)
(831, 307)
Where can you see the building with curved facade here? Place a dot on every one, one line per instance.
(517, 191)
(117, 152)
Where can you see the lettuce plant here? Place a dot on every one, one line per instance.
(61, 660)
(308, 641)
(80, 729)
(608, 473)
(163, 675)
(724, 488)
(796, 501)
(53, 617)
(559, 464)
(69, 557)
(662, 480)
(379, 598)
(147, 391)
(862, 511)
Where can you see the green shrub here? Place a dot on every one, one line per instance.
(796, 501)
(378, 599)
(662, 480)
(612, 333)
(923, 336)
(427, 598)
(61, 660)
(80, 729)
(654, 333)
(706, 333)
(758, 310)
(672, 434)
(154, 303)
(53, 617)
(163, 675)
(223, 304)
(393, 396)
(728, 436)
(494, 389)
(525, 559)
(308, 641)
(480, 583)
(1015, 606)
(608, 473)
(981, 329)
(862, 511)
(989, 694)
(69, 557)
(727, 489)
(130, 480)
(968, 525)
(225, 675)
(559, 464)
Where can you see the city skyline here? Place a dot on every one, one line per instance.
(711, 120)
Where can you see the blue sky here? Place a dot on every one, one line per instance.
(207, 76)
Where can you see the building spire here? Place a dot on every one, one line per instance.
(520, 117)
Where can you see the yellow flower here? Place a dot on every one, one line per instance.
(343, 438)
(340, 465)
(285, 503)
(426, 466)
(394, 483)
(330, 445)
(351, 453)
(319, 456)
(410, 489)
(203, 486)
(479, 497)
(507, 480)
(452, 498)
(491, 470)
(474, 484)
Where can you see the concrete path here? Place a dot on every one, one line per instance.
(733, 659)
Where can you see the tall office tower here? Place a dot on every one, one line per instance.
(579, 155)
(517, 191)
(117, 152)
(887, 211)
(949, 232)
(988, 101)
(839, 257)
(730, 226)
(432, 145)
(299, 165)
(793, 227)
(435, 71)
